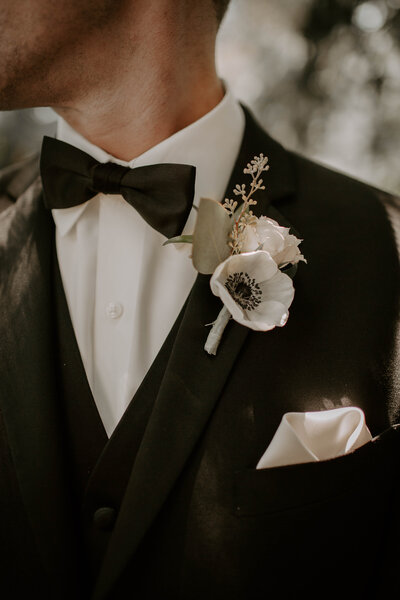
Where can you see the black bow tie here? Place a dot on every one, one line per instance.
(162, 193)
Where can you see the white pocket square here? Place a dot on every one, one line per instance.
(314, 436)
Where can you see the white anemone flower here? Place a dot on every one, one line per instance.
(266, 234)
(254, 291)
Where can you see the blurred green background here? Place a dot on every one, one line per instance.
(322, 76)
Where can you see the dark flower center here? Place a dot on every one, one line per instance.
(244, 290)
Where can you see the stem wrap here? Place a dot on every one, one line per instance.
(215, 335)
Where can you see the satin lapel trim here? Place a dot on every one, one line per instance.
(27, 384)
(192, 383)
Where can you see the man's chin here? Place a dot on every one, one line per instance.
(20, 92)
(11, 99)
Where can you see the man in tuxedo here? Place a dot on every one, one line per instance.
(127, 453)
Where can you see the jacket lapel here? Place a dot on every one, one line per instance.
(192, 383)
(27, 385)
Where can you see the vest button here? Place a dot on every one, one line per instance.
(104, 518)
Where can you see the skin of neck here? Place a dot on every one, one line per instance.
(153, 75)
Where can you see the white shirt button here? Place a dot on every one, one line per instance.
(114, 310)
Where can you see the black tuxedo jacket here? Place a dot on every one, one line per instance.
(197, 520)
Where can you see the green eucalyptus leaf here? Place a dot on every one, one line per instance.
(211, 236)
(180, 239)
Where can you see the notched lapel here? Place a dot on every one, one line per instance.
(191, 386)
(27, 384)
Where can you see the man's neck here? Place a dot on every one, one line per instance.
(128, 131)
(149, 89)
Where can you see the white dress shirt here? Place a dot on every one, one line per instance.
(124, 289)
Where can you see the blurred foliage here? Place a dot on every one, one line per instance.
(323, 77)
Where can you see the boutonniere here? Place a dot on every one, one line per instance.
(251, 260)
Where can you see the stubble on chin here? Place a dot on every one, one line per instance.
(30, 78)
(43, 62)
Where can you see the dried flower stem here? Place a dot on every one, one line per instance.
(246, 199)
(255, 168)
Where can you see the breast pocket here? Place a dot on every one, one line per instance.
(331, 525)
(266, 491)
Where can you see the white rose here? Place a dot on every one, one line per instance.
(266, 234)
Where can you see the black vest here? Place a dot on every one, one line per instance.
(99, 468)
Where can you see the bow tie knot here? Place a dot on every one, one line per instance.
(162, 194)
(107, 177)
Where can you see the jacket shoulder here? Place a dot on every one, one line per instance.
(16, 178)
(342, 203)
(336, 190)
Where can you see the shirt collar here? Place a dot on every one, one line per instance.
(211, 144)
